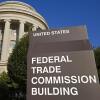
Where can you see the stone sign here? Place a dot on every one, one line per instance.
(61, 65)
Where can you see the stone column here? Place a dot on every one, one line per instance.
(21, 28)
(6, 41)
(34, 27)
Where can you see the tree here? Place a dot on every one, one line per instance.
(97, 59)
(4, 87)
(17, 63)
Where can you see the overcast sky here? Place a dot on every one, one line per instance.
(63, 13)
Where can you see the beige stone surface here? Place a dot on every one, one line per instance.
(16, 18)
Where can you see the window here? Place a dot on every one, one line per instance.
(0, 34)
(12, 44)
(0, 45)
(13, 33)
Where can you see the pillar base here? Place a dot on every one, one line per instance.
(3, 66)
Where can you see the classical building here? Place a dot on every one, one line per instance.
(16, 19)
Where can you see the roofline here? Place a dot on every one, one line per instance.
(25, 4)
(17, 2)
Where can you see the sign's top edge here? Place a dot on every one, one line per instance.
(79, 26)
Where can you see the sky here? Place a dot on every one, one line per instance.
(63, 13)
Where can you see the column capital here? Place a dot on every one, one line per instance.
(22, 21)
(34, 27)
(7, 20)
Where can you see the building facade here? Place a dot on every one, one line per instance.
(16, 19)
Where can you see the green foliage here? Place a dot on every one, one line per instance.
(4, 87)
(7, 87)
(17, 62)
(17, 67)
(4, 79)
(97, 58)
